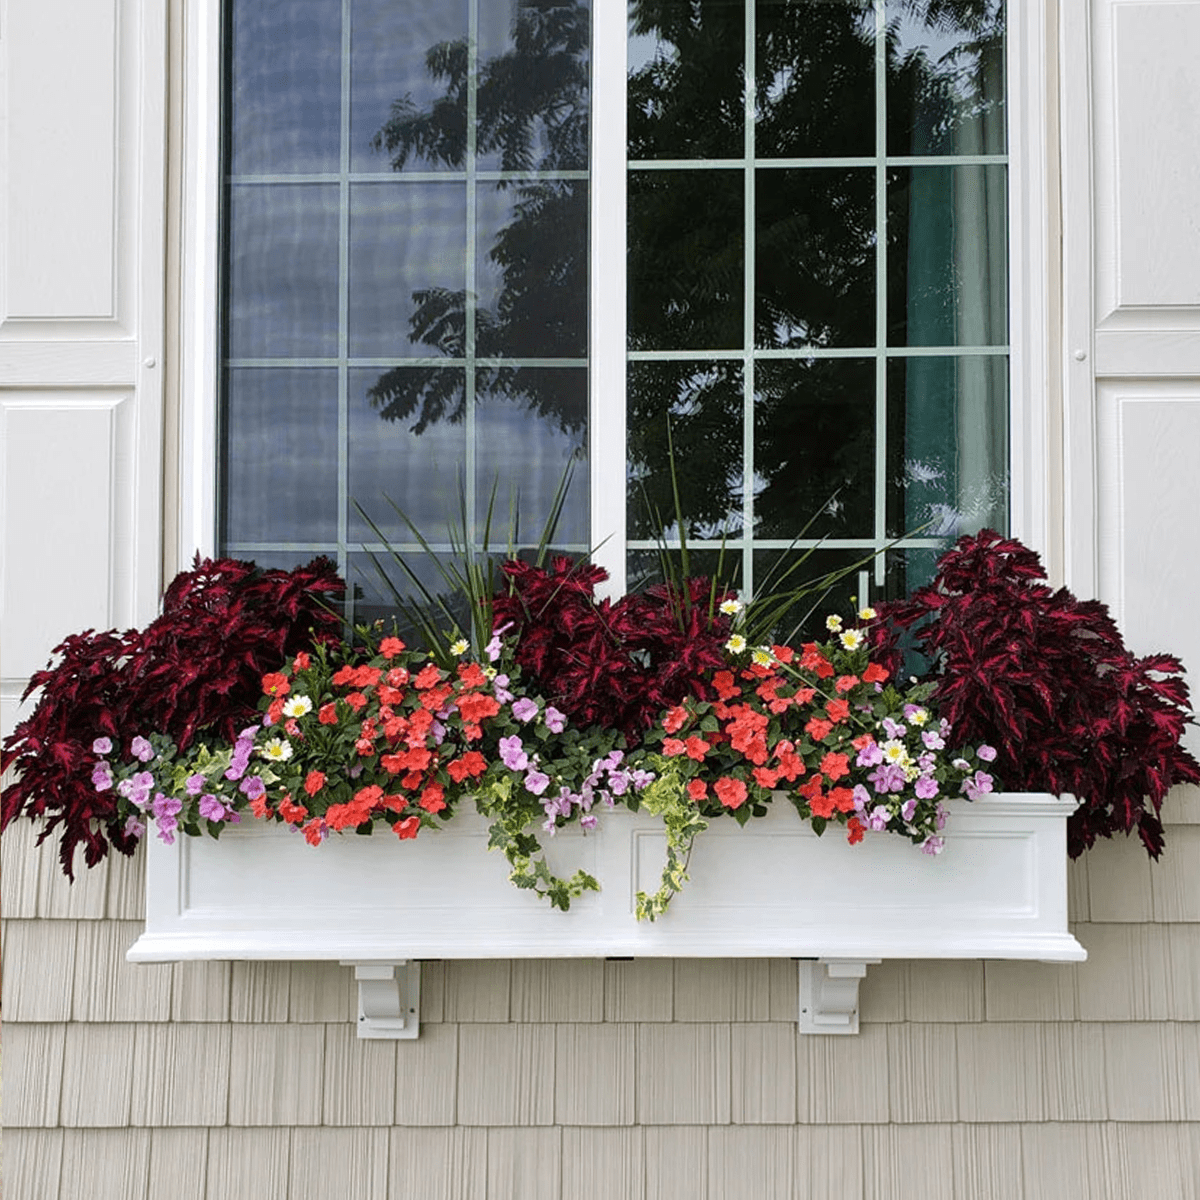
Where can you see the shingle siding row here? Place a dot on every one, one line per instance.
(638, 1080)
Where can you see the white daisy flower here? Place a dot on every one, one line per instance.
(736, 644)
(867, 614)
(731, 607)
(297, 706)
(459, 648)
(761, 656)
(277, 750)
(852, 639)
(833, 623)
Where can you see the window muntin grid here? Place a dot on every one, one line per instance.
(877, 176)
(361, 263)
(933, 340)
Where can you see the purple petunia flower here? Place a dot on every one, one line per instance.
(588, 821)
(102, 745)
(642, 779)
(932, 845)
(986, 753)
(933, 739)
(134, 827)
(979, 784)
(926, 788)
(500, 689)
(512, 753)
(887, 777)
(165, 807)
(871, 755)
(194, 784)
(525, 709)
(894, 729)
(252, 787)
(537, 782)
(878, 818)
(141, 749)
(907, 809)
(102, 778)
(861, 798)
(556, 722)
(211, 808)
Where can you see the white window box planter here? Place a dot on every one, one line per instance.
(770, 889)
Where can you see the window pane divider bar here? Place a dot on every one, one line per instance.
(881, 290)
(803, 352)
(749, 273)
(888, 160)
(606, 295)
(343, 369)
(401, 177)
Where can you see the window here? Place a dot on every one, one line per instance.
(465, 244)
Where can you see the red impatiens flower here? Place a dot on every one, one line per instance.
(835, 766)
(854, 831)
(327, 714)
(275, 684)
(838, 710)
(292, 813)
(675, 719)
(875, 674)
(730, 792)
(407, 828)
(433, 798)
(471, 764)
(390, 647)
(314, 781)
(818, 728)
(697, 789)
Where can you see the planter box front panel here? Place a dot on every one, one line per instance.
(770, 889)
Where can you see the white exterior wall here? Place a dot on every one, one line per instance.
(578, 1079)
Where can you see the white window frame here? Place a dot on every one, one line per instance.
(1035, 470)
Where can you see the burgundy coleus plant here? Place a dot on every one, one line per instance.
(1047, 680)
(616, 664)
(197, 666)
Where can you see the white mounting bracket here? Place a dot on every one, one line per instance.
(389, 998)
(829, 994)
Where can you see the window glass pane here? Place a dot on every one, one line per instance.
(686, 83)
(946, 77)
(814, 258)
(531, 271)
(281, 455)
(814, 448)
(285, 87)
(407, 269)
(531, 426)
(948, 453)
(450, 223)
(703, 402)
(402, 55)
(814, 78)
(414, 455)
(282, 271)
(686, 265)
(947, 256)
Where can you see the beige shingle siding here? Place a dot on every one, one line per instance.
(648, 1078)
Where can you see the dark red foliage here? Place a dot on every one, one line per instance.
(614, 664)
(198, 666)
(1046, 679)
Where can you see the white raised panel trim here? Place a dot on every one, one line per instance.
(61, 61)
(771, 889)
(1149, 433)
(1147, 151)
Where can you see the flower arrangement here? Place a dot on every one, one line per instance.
(573, 706)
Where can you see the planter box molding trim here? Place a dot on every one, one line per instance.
(769, 889)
